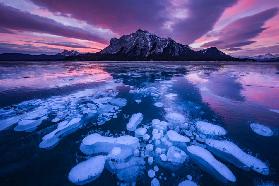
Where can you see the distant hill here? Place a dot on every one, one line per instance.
(266, 57)
(42, 57)
(138, 46)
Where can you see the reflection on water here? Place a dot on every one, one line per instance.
(56, 105)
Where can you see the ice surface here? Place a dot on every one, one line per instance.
(87, 171)
(261, 129)
(210, 129)
(134, 121)
(232, 153)
(95, 143)
(173, 136)
(207, 161)
(187, 183)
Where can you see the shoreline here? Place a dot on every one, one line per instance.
(155, 62)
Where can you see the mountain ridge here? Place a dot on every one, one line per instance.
(138, 46)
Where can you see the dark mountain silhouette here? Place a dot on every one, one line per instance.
(138, 46)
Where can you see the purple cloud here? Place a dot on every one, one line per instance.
(14, 19)
(189, 20)
(27, 49)
(241, 32)
(66, 44)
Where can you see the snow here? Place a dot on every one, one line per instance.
(210, 129)
(140, 132)
(95, 143)
(207, 161)
(187, 183)
(232, 153)
(155, 182)
(176, 155)
(173, 136)
(87, 171)
(261, 129)
(134, 121)
(151, 173)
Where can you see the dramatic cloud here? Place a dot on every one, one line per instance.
(241, 32)
(26, 48)
(185, 21)
(14, 19)
(67, 44)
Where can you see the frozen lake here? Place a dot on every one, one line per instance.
(70, 123)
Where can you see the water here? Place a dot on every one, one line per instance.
(231, 96)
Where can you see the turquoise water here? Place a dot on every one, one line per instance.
(230, 96)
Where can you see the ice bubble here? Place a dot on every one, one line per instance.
(163, 157)
(173, 136)
(6, 123)
(87, 171)
(156, 168)
(95, 143)
(146, 137)
(175, 118)
(149, 147)
(207, 161)
(134, 121)
(29, 125)
(176, 155)
(261, 129)
(64, 128)
(150, 160)
(140, 132)
(274, 110)
(230, 152)
(158, 104)
(151, 173)
(187, 183)
(210, 129)
(155, 182)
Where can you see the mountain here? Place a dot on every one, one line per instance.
(143, 45)
(68, 53)
(138, 46)
(266, 57)
(42, 57)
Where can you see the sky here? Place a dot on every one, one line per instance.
(237, 27)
